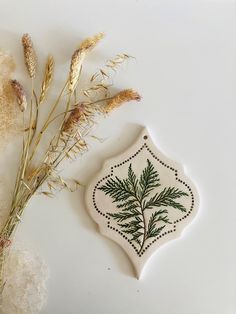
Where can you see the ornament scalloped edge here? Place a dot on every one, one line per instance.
(143, 141)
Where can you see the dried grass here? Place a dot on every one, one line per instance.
(9, 113)
(49, 68)
(120, 98)
(69, 140)
(20, 94)
(29, 55)
(78, 57)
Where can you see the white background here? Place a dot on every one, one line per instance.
(185, 69)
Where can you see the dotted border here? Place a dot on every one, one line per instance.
(144, 146)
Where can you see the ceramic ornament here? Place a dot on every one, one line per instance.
(141, 199)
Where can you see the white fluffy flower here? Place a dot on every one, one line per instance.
(25, 290)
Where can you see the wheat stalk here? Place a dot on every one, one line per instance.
(49, 68)
(29, 55)
(78, 58)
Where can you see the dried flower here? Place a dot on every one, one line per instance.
(123, 96)
(90, 42)
(29, 55)
(47, 77)
(20, 94)
(78, 58)
(73, 119)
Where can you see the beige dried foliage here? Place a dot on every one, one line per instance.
(4, 210)
(31, 172)
(9, 112)
(20, 94)
(90, 42)
(104, 73)
(78, 58)
(120, 98)
(101, 81)
(80, 115)
(75, 68)
(49, 68)
(5, 197)
(29, 55)
(73, 121)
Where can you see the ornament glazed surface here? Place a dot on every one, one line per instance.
(141, 199)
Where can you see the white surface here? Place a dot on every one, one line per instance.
(185, 69)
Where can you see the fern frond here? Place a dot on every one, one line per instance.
(132, 179)
(152, 230)
(136, 237)
(149, 179)
(121, 216)
(135, 222)
(155, 232)
(131, 203)
(118, 189)
(166, 198)
(132, 198)
(131, 227)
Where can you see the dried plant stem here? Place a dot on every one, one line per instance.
(35, 122)
(63, 155)
(89, 103)
(64, 117)
(47, 78)
(2, 264)
(46, 123)
(21, 162)
(26, 147)
(30, 130)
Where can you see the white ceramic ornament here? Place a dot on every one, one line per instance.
(141, 199)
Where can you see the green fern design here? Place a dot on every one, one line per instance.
(133, 199)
